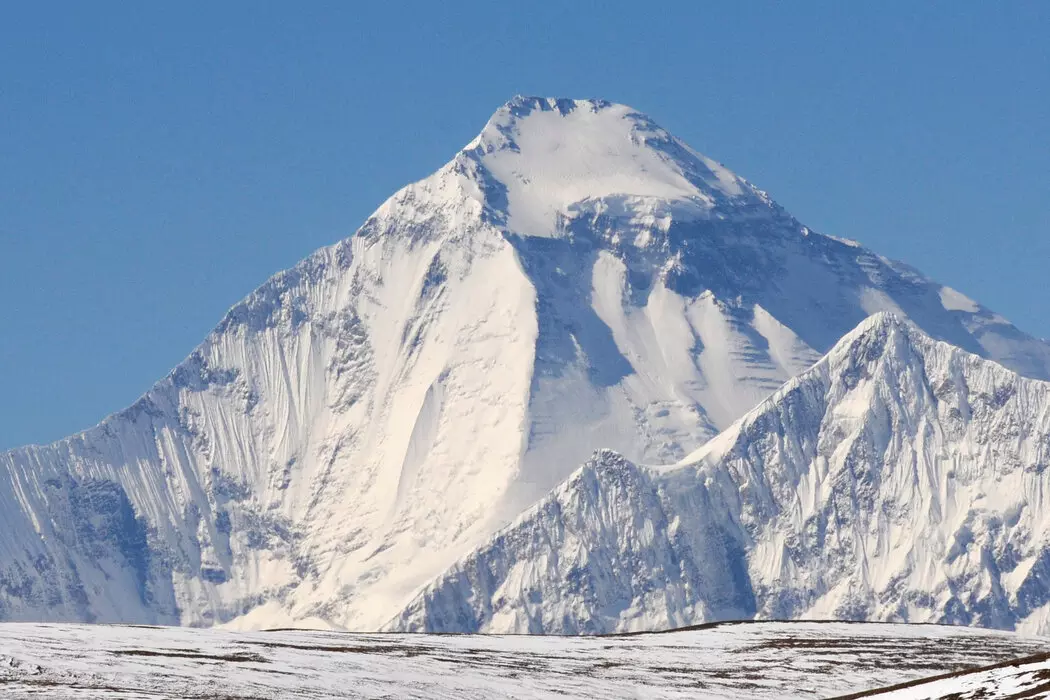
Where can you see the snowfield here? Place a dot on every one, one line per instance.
(575, 279)
(749, 660)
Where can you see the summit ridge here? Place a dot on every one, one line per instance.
(551, 155)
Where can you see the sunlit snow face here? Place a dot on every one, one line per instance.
(550, 155)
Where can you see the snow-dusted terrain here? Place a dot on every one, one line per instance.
(1028, 678)
(739, 661)
(899, 479)
(576, 278)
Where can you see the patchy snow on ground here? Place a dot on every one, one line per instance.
(1027, 677)
(730, 660)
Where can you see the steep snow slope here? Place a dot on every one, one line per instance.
(898, 479)
(761, 660)
(575, 278)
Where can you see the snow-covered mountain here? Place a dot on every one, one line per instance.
(899, 479)
(576, 278)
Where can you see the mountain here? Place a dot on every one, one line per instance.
(899, 479)
(575, 278)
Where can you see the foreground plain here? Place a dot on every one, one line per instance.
(730, 660)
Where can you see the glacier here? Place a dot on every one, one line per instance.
(574, 279)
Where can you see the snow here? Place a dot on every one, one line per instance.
(957, 301)
(765, 660)
(1022, 678)
(550, 154)
(898, 479)
(575, 279)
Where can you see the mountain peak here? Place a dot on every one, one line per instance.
(899, 479)
(877, 325)
(544, 159)
(521, 105)
(882, 336)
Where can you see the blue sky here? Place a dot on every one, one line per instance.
(159, 161)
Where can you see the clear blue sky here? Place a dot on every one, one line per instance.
(159, 161)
